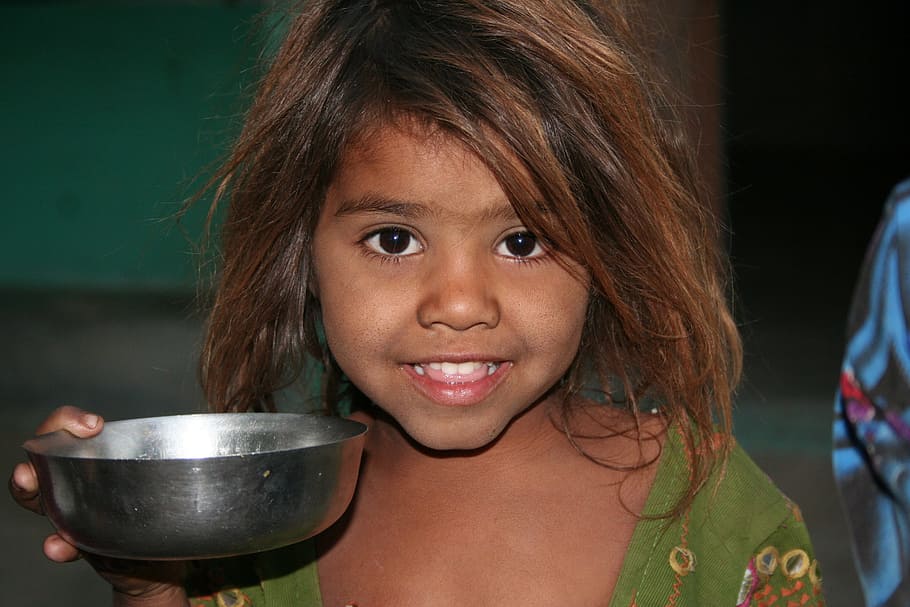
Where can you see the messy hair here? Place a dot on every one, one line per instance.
(559, 102)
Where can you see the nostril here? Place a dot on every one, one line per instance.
(458, 292)
(459, 312)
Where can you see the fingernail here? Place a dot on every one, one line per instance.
(90, 420)
(15, 482)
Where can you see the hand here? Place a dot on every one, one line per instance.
(134, 582)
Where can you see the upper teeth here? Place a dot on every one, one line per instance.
(457, 368)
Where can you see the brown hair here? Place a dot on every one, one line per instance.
(557, 98)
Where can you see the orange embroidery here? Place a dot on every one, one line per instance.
(788, 591)
(677, 582)
(795, 511)
(764, 591)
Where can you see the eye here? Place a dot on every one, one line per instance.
(393, 241)
(522, 245)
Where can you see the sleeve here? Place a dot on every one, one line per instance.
(783, 570)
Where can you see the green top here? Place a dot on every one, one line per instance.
(742, 543)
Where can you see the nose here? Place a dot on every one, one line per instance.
(458, 292)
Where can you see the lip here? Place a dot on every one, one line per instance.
(462, 394)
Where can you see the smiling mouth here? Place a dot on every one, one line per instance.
(456, 373)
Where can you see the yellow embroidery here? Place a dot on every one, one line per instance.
(813, 574)
(795, 511)
(766, 560)
(232, 598)
(682, 560)
(795, 563)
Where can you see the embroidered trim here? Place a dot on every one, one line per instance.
(232, 598)
(682, 560)
(748, 586)
(795, 563)
(766, 560)
(813, 574)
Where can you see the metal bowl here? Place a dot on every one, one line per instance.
(198, 486)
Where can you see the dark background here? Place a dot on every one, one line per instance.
(107, 108)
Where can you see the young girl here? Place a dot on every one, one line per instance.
(481, 219)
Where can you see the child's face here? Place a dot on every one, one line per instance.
(436, 303)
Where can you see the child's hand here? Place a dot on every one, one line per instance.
(23, 484)
(134, 582)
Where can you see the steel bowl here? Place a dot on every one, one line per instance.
(198, 486)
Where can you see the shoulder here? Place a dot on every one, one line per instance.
(740, 504)
(726, 548)
(751, 540)
(773, 540)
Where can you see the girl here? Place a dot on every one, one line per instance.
(481, 219)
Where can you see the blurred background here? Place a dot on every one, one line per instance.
(109, 110)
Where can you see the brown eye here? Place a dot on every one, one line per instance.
(521, 245)
(393, 241)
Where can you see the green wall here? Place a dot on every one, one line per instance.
(107, 113)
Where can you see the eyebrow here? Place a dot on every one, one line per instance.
(377, 204)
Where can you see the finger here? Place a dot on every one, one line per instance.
(59, 550)
(74, 420)
(23, 486)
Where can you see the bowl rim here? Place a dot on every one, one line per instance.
(43, 444)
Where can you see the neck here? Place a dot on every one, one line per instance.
(529, 441)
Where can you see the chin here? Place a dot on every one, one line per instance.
(454, 440)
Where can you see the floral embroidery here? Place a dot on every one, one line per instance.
(790, 580)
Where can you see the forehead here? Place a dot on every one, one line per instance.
(399, 148)
(428, 168)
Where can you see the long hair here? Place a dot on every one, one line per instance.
(559, 101)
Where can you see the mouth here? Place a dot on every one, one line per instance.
(460, 383)
(454, 373)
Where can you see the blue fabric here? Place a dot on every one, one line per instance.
(872, 412)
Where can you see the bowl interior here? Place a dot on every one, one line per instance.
(199, 436)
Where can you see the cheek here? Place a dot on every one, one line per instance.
(560, 310)
(359, 322)
(343, 315)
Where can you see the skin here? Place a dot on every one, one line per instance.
(133, 583)
(458, 292)
(468, 489)
(485, 488)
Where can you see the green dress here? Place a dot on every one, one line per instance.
(741, 543)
